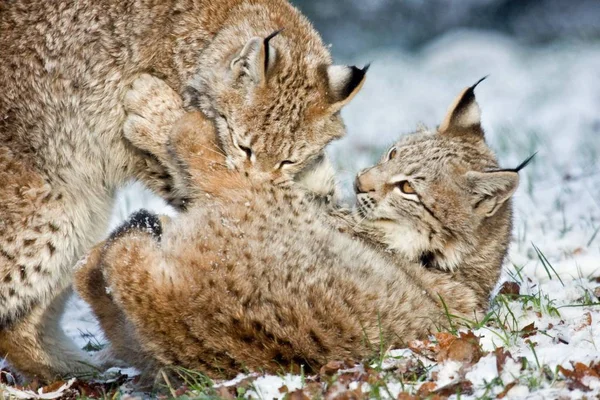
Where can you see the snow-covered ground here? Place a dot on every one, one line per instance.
(536, 99)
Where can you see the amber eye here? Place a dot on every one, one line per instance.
(406, 187)
(392, 153)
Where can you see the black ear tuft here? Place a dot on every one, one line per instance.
(525, 163)
(266, 46)
(463, 115)
(520, 167)
(468, 96)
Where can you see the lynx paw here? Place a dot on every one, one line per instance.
(152, 107)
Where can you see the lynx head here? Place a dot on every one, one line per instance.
(276, 103)
(435, 197)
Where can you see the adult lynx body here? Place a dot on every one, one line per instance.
(64, 71)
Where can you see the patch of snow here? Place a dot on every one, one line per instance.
(483, 372)
(267, 387)
(448, 373)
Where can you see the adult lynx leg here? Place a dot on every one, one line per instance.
(153, 108)
(37, 346)
(184, 142)
(37, 249)
(158, 178)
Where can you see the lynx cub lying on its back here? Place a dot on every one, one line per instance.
(259, 277)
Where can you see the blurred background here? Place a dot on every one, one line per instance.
(357, 26)
(542, 95)
(542, 56)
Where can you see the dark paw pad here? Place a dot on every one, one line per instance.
(143, 221)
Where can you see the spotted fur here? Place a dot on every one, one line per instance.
(259, 277)
(459, 217)
(65, 69)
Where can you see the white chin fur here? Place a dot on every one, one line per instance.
(403, 239)
(320, 179)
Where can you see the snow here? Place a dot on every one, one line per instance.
(544, 99)
(267, 387)
(483, 372)
(448, 372)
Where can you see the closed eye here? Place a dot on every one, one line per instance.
(286, 162)
(246, 150)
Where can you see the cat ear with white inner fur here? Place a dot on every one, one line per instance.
(257, 59)
(344, 83)
(463, 115)
(490, 190)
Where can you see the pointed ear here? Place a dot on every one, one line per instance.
(256, 60)
(344, 83)
(491, 189)
(464, 114)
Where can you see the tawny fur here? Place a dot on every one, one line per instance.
(459, 218)
(259, 277)
(64, 70)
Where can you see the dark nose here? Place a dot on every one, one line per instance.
(364, 182)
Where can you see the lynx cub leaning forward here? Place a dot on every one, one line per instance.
(259, 277)
(64, 69)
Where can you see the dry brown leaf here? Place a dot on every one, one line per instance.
(423, 348)
(426, 389)
(507, 388)
(586, 321)
(572, 381)
(313, 390)
(348, 377)
(297, 395)
(595, 367)
(53, 387)
(528, 331)
(224, 393)
(283, 389)
(406, 396)
(331, 368)
(464, 349)
(444, 339)
(469, 336)
(501, 356)
(582, 370)
(576, 375)
(462, 387)
(510, 289)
